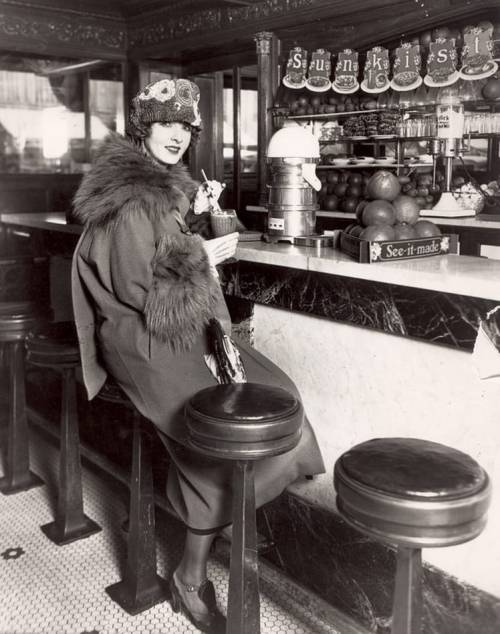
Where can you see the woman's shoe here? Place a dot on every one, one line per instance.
(214, 622)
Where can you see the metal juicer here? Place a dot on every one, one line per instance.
(292, 155)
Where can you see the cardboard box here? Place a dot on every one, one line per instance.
(392, 250)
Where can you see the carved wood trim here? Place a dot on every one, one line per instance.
(61, 34)
(205, 27)
(179, 30)
(165, 33)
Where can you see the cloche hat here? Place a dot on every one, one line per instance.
(170, 100)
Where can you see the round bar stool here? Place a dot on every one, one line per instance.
(243, 422)
(141, 587)
(411, 493)
(17, 319)
(56, 346)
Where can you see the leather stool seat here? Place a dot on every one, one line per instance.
(412, 492)
(243, 421)
(113, 393)
(17, 319)
(56, 344)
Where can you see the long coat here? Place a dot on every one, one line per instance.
(143, 293)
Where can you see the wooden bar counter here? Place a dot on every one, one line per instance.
(376, 350)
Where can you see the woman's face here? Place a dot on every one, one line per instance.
(167, 142)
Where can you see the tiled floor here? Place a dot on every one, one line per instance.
(49, 589)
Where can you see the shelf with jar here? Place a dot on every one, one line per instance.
(481, 118)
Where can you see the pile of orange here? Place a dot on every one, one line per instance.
(389, 215)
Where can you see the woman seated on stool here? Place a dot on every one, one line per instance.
(145, 287)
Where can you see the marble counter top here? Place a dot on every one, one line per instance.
(462, 275)
(52, 221)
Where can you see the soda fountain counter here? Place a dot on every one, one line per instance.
(384, 349)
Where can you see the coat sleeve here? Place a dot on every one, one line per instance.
(167, 278)
(132, 248)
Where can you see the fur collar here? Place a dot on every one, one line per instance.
(124, 179)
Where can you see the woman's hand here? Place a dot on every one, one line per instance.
(220, 249)
(208, 193)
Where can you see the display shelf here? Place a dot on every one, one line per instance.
(366, 140)
(331, 115)
(395, 139)
(371, 165)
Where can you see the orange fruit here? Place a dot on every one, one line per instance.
(426, 229)
(406, 209)
(377, 232)
(378, 212)
(383, 185)
(404, 232)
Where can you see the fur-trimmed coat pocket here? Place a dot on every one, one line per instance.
(183, 296)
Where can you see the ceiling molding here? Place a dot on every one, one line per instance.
(387, 28)
(184, 30)
(92, 9)
(204, 28)
(52, 33)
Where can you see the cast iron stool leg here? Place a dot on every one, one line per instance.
(407, 608)
(141, 587)
(70, 523)
(18, 476)
(243, 608)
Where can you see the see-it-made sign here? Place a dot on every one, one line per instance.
(365, 251)
(376, 75)
(442, 63)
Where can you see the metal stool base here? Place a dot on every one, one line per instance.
(61, 535)
(29, 480)
(134, 602)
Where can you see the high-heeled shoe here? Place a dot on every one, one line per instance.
(212, 623)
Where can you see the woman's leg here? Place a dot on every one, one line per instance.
(192, 570)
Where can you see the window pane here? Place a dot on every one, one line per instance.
(42, 118)
(248, 131)
(106, 109)
(38, 117)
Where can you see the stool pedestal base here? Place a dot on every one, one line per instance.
(62, 534)
(17, 482)
(70, 522)
(135, 598)
(141, 587)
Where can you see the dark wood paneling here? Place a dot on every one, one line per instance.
(37, 193)
(208, 154)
